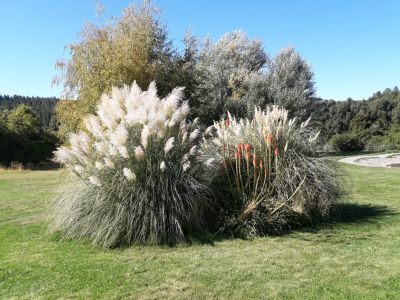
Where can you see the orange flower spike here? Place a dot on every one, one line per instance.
(270, 138)
(261, 164)
(247, 148)
(254, 160)
(276, 151)
(248, 155)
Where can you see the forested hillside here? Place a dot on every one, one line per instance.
(373, 123)
(42, 107)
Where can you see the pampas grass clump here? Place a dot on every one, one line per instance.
(136, 173)
(273, 170)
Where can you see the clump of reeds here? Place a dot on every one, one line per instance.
(276, 176)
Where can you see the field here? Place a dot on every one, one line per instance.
(358, 256)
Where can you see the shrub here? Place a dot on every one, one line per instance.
(347, 142)
(22, 139)
(139, 175)
(390, 141)
(273, 170)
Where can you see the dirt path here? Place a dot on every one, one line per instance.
(377, 161)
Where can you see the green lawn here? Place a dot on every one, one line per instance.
(357, 257)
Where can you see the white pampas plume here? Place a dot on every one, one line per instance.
(193, 135)
(93, 125)
(171, 102)
(169, 144)
(123, 151)
(145, 135)
(119, 136)
(99, 165)
(315, 137)
(162, 166)
(185, 158)
(129, 174)
(79, 169)
(94, 180)
(108, 162)
(184, 137)
(63, 155)
(209, 129)
(112, 150)
(210, 161)
(305, 123)
(101, 147)
(139, 153)
(110, 111)
(186, 166)
(193, 150)
(79, 142)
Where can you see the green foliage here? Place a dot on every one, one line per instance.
(387, 142)
(347, 142)
(42, 108)
(23, 139)
(131, 48)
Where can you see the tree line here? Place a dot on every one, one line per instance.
(233, 73)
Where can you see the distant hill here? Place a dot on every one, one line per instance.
(42, 107)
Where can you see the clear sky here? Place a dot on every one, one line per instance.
(353, 46)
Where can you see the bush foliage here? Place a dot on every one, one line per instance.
(346, 142)
(22, 138)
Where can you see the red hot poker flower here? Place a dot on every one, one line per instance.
(254, 160)
(269, 138)
(261, 164)
(247, 147)
(276, 151)
(227, 122)
(248, 155)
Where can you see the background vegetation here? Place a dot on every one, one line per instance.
(232, 73)
(23, 138)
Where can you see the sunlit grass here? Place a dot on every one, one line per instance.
(357, 257)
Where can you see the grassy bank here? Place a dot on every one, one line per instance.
(356, 257)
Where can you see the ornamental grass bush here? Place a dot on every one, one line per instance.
(274, 176)
(136, 171)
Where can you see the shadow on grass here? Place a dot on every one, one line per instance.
(343, 213)
(354, 213)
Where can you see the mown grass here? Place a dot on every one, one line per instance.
(356, 257)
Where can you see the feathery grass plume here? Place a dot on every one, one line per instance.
(138, 178)
(276, 177)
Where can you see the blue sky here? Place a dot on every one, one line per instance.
(353, 46)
